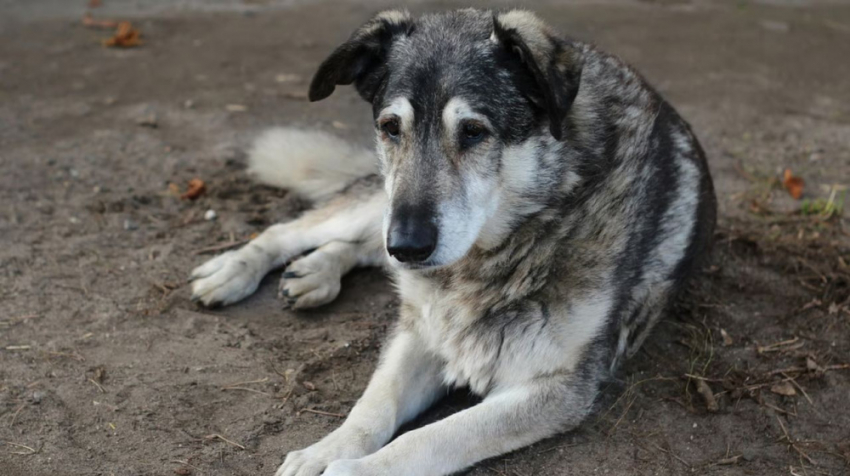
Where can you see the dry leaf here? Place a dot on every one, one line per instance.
(125, 36)
(309, 385)
(727, 341)
(95, 3)
(195, 190)
(784, 388)
(91, 22)
(793, 184)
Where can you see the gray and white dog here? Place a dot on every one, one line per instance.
(541, 207)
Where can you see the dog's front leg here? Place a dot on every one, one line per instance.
(407, 381)
(506, 420)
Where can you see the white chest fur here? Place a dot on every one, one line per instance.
(484, 352)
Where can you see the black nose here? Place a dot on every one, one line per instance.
(412, 236)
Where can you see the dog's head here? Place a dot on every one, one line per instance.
(461, 101)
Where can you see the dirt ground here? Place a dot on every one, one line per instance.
(107, 368)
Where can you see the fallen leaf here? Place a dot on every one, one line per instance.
(95, 3)
(784, 388)
(183, 471)
(125, 36)
(793, 184)
(91, 22)
(727, 340)
(195, 190)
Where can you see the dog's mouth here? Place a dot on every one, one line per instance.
(413, 265)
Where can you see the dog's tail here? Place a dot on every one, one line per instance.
(312, 164)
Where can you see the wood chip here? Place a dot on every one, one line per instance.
(727, 340)
(707, 395)
(784, 388)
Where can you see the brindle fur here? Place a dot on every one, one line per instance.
(564, 233)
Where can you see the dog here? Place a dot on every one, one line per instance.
(538, 204)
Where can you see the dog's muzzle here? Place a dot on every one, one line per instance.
(412, 237)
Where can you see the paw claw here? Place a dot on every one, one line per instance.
(291, 275)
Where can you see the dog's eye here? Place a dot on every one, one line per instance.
(471, 133)
(391, 127)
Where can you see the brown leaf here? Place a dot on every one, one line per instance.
(793, 184)
(95, 3)
(784, 388)
(183, 471)
(125, 36)
(196, 188)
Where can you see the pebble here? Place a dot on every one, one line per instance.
(210, 215)
(130, 225)
(37, 397)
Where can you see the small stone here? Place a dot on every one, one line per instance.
(189, 104)
(287, 78)
(38, 396)
(236, 107)
(148, 120)
(130, 225)
(210, 215)
(74, 220)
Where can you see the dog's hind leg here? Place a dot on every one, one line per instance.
(315, 279)
(352, 217)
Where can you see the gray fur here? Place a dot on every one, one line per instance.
(564, 231)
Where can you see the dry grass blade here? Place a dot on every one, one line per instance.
(29, 450)
(320, 412)
(217, 248)
(216, 436)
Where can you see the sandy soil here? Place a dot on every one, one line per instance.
(106, 368)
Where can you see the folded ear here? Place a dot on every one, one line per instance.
(553, 63)
(362, 59)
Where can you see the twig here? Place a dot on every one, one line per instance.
(32, 451)
(319, 412)
(239, 384)
(99, 387)
(804, 369)
(777, 409)
(246, 389)
(18, 347)
(219, 437)
(222, 247)
(15, 416)
(787, 438)
(672, 454)
(794, 382)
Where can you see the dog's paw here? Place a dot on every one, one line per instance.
(331, 456)
(310, 282)
(347, 467)
(226, 278)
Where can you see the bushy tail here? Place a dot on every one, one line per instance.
(312, 164)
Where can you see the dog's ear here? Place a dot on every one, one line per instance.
(362, 59)
(554, 65)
